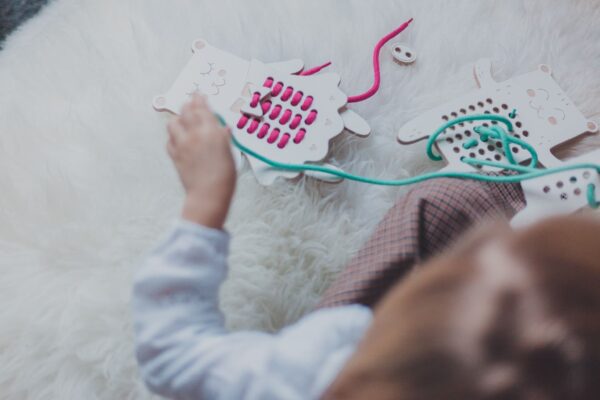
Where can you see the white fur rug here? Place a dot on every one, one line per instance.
(86, 187)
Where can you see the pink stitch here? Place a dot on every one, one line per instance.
(263, 130)
(287, 114)
(253, 125)
(287, 93)
(242, 122)
(297, 97)
(284, 140)
(307, 103)
(268, 82)
(299, 136)
(273, 136)
(311, 117)
(296, 121)
(266, 106)
(255, 99)
(275, 112)
(277, 89)
(376, 69)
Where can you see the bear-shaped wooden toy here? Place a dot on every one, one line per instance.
(560, 193)
(271, 108)
(545, 117)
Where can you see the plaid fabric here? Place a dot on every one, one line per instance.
(421, 224)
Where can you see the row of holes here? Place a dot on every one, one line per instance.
(472, 107)
(573, 180)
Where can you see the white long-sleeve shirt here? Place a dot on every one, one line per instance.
(185, 352)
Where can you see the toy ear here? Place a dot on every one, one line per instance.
(198, 44)
(159, 103)
(592, 127)
(545, 69)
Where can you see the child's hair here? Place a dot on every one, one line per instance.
(504, 316)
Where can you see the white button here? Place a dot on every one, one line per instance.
(404, 54)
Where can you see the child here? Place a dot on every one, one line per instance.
(185, 352)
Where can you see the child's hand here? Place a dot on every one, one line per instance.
(200, 149)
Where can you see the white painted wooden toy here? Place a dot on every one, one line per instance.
(277, 111)
(561, 193)
(545, 117)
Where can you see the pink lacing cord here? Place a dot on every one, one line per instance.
(314, 70)
(376, 70)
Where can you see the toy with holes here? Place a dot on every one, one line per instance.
(560, 193)
(278, 110)
(545, 117)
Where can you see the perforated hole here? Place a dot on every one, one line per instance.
(456, 149)
(445, 117)
(546, 189)
(489, 101)
(497, 157)
(586, 175)
(577, 192)
(450, 140)
(504, 107)
(573, 179)
(563, 196)
(463, 111)
(468, 133)
(480, 104)
(481, 151)
(560, 184)
(518, 124)
(459, 136)
(525, 133)
(472, 107)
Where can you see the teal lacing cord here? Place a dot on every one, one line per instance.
(591, 196)
(485, 133)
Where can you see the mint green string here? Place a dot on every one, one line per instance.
(495, 132)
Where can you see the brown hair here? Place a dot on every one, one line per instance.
(454, 331)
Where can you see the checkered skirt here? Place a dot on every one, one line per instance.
(421, 224)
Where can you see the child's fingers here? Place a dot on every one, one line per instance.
(191, 118)
(176, 130)
(171, 148)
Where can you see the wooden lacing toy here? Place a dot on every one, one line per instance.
(276, 109)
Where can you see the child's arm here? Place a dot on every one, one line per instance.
(182, 346)
(185, 352)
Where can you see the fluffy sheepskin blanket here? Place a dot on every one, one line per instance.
(86, 187)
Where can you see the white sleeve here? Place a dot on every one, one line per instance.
(184, 351)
